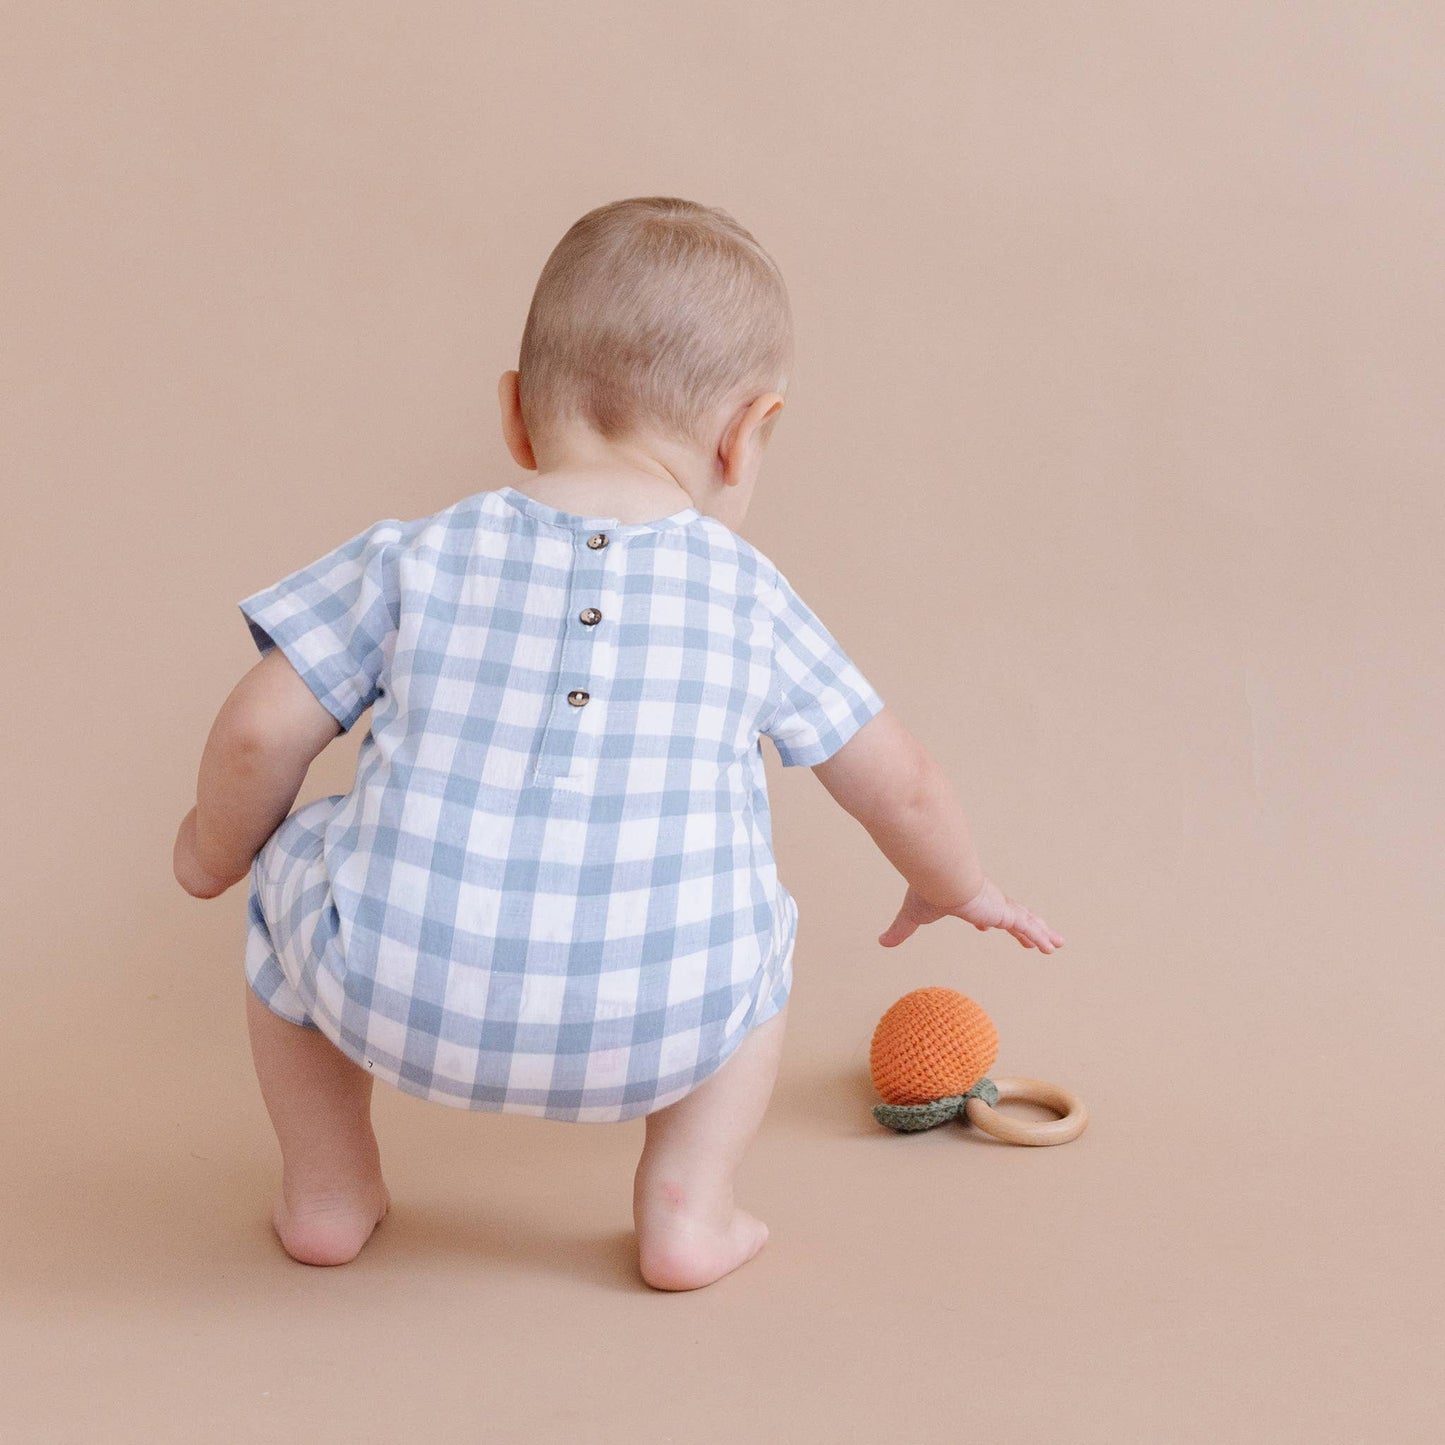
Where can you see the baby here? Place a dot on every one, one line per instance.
(551, 888)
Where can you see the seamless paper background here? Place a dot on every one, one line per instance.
(1112, 458)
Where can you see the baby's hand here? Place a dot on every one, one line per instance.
(988, 908)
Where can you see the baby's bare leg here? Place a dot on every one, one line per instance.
(332, 1193)
(689, 1233)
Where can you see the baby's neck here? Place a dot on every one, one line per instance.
(639, 479)
(608, 491)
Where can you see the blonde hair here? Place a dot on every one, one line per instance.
(648, 315)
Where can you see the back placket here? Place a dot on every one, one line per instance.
(562, 752)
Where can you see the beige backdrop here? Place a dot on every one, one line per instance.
(1113, 458)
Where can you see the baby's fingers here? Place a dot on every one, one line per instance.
(1033, 932)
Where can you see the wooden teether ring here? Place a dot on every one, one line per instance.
(1068, 1106)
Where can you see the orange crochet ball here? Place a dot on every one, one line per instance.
(934, 1043)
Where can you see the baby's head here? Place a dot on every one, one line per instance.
(658, 323)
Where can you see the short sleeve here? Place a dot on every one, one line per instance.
(333, 619)
(819, 698)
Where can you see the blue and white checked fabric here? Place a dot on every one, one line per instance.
(551, 888)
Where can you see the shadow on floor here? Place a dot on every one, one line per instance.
(173, 1229)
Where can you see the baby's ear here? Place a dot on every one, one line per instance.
(763, 413)
(514, 428)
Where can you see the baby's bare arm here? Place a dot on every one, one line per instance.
(265, 737)
(885, 778)
(889, 781)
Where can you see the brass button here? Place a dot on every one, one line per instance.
(591, 616)
(577, 697)
(596, 540)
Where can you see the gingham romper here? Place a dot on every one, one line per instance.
(551, 888)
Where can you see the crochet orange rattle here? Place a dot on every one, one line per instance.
(930, 1059)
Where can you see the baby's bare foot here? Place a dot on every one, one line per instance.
(329, 1226)
(682, 1247)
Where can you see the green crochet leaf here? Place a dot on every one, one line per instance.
(911, 1118)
